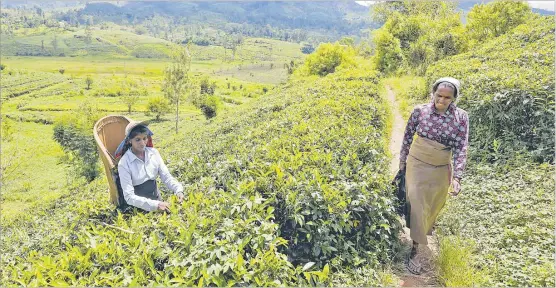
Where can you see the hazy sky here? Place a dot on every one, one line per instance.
(546, 5)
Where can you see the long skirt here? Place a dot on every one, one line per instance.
(428, 178)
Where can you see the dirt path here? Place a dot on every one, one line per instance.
(407, 278)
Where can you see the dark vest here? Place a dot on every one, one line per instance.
(148, 190)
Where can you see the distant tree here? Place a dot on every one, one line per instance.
(176, 79)
(140, 30)
(364, 48)
(328, 57)
(307, 48)
(388, 53)
(2, 67)
(206, 87)
(88, 35)
(88, 19)
(434, 10)
(62, 70)
(54, 43)
(290, 67)
(131, 97)
(158, 106)
(486, 21)
(210, 106)
(89, 82)
(8, 129)
(347, 41)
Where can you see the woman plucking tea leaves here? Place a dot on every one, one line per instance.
(139, 167)
(442, 139)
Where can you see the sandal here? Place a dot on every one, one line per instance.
(413, 264)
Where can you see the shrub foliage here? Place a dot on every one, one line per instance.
(508, 91)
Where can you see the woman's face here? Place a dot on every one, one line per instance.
(443, 97)
(139, 142)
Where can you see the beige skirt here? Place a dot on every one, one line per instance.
(428, 178)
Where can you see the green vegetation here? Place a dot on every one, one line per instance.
(415, 34)
(284, 156)
(328, 57)
(499, 231)
(509, 91)
(158, 106)
(301, 159)
(74, 136)
(487, 21)
(410, 91)
(241, 223)
(508, 212)
(27, 153)
(177, 80)
(456, 265)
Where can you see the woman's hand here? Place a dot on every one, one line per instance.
(457, 187)
(163, 206)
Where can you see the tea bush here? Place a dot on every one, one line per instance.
(328, 57)
(209, 239)
(508, 90)
(508, 211)
(73, 133)
(318, 151)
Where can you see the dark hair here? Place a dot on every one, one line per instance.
(140, 129)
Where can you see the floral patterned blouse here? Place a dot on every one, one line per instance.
(450, 129)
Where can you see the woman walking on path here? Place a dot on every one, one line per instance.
(442, 139)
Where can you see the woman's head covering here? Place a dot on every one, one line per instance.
(450, 80)
(134, 124)
(125, 145)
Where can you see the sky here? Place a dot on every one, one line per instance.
(546, 5)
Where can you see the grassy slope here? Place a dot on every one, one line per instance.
(34, 158)
(118, 42)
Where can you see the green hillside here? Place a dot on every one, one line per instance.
(117, 42)
(61, 42)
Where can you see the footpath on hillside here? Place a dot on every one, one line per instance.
(427, 278)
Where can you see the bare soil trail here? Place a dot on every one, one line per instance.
(428, 278)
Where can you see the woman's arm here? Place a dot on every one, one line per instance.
(166, 177)
(410, 129)
(460, 150)
(129, 193)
